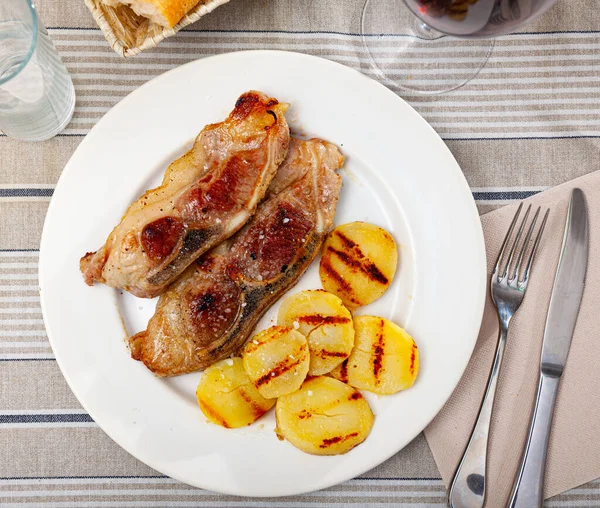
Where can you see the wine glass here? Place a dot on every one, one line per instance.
(435, 46)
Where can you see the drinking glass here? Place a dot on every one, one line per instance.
(37, 97)
(435, 46)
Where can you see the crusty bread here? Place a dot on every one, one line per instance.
(166, 13)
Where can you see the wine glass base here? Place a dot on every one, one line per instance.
(406, 54)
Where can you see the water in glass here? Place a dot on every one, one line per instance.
(36, 92)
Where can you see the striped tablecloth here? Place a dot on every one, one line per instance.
(529, 121)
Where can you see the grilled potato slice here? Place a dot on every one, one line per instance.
(385, 359)
(276, 360)
(228, 398)
(325, 417)
(325, 322)
(358, 263)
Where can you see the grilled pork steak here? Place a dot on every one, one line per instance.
(211, 310)
(206, 196)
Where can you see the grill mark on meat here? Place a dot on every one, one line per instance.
(277, 371)
(378, 349)
(246, 103)
(224, 192)
(161, 237)
(337, 439)
(365, 266)
(204, 302)
(274, 242)
(212, 310)
(274, 120)
(193, 241)
(318, 319)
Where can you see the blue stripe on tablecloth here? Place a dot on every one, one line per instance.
(125, 477)
(326, 32)
(478, 196)
(25, 193)
(503, 195)
(520, 138)
(45, 418)
(19, 250)
(69, 135)
(27, 359)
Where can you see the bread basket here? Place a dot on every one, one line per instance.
(130, 34)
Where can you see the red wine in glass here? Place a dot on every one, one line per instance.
(435, 46)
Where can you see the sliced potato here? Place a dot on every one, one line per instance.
(358, 263)
(325, 417)
(276, 360)
(325, 322)
(228, 398)
(385, 359)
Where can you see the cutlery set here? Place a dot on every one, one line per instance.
(508, 286)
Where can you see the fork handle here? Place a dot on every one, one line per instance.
(467, 489)
(528, 489)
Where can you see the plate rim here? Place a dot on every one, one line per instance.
(477, 313)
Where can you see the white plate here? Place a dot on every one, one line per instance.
(399, 174)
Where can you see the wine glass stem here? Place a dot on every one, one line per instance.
(424, 31)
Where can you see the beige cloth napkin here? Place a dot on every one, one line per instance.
(574, 453)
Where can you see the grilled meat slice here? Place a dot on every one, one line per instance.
(212, 309)
(206, 196)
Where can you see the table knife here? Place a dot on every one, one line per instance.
(528, 489)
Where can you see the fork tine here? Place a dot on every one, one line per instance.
(506, 238)
(534, 249)
(525, 244)
(516, 242)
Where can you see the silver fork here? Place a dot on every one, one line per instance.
(467, 489)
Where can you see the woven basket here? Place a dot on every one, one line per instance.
(130, 34)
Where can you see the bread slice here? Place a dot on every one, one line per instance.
(166, 13)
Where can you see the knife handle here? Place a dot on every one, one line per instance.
(528, 489)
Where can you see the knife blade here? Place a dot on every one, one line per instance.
(568, 288)
(567, 292)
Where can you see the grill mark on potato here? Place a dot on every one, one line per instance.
(318, 319)
(378, 349)
(256, 409)
(344, 371)
(366, 266)
(337, 439)
(355, 396)
(211, 413)
(349, 244)
(412, 359)
(304, 414)
(277, 371)
(326, 266)
(331, 354)
(274, 334)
